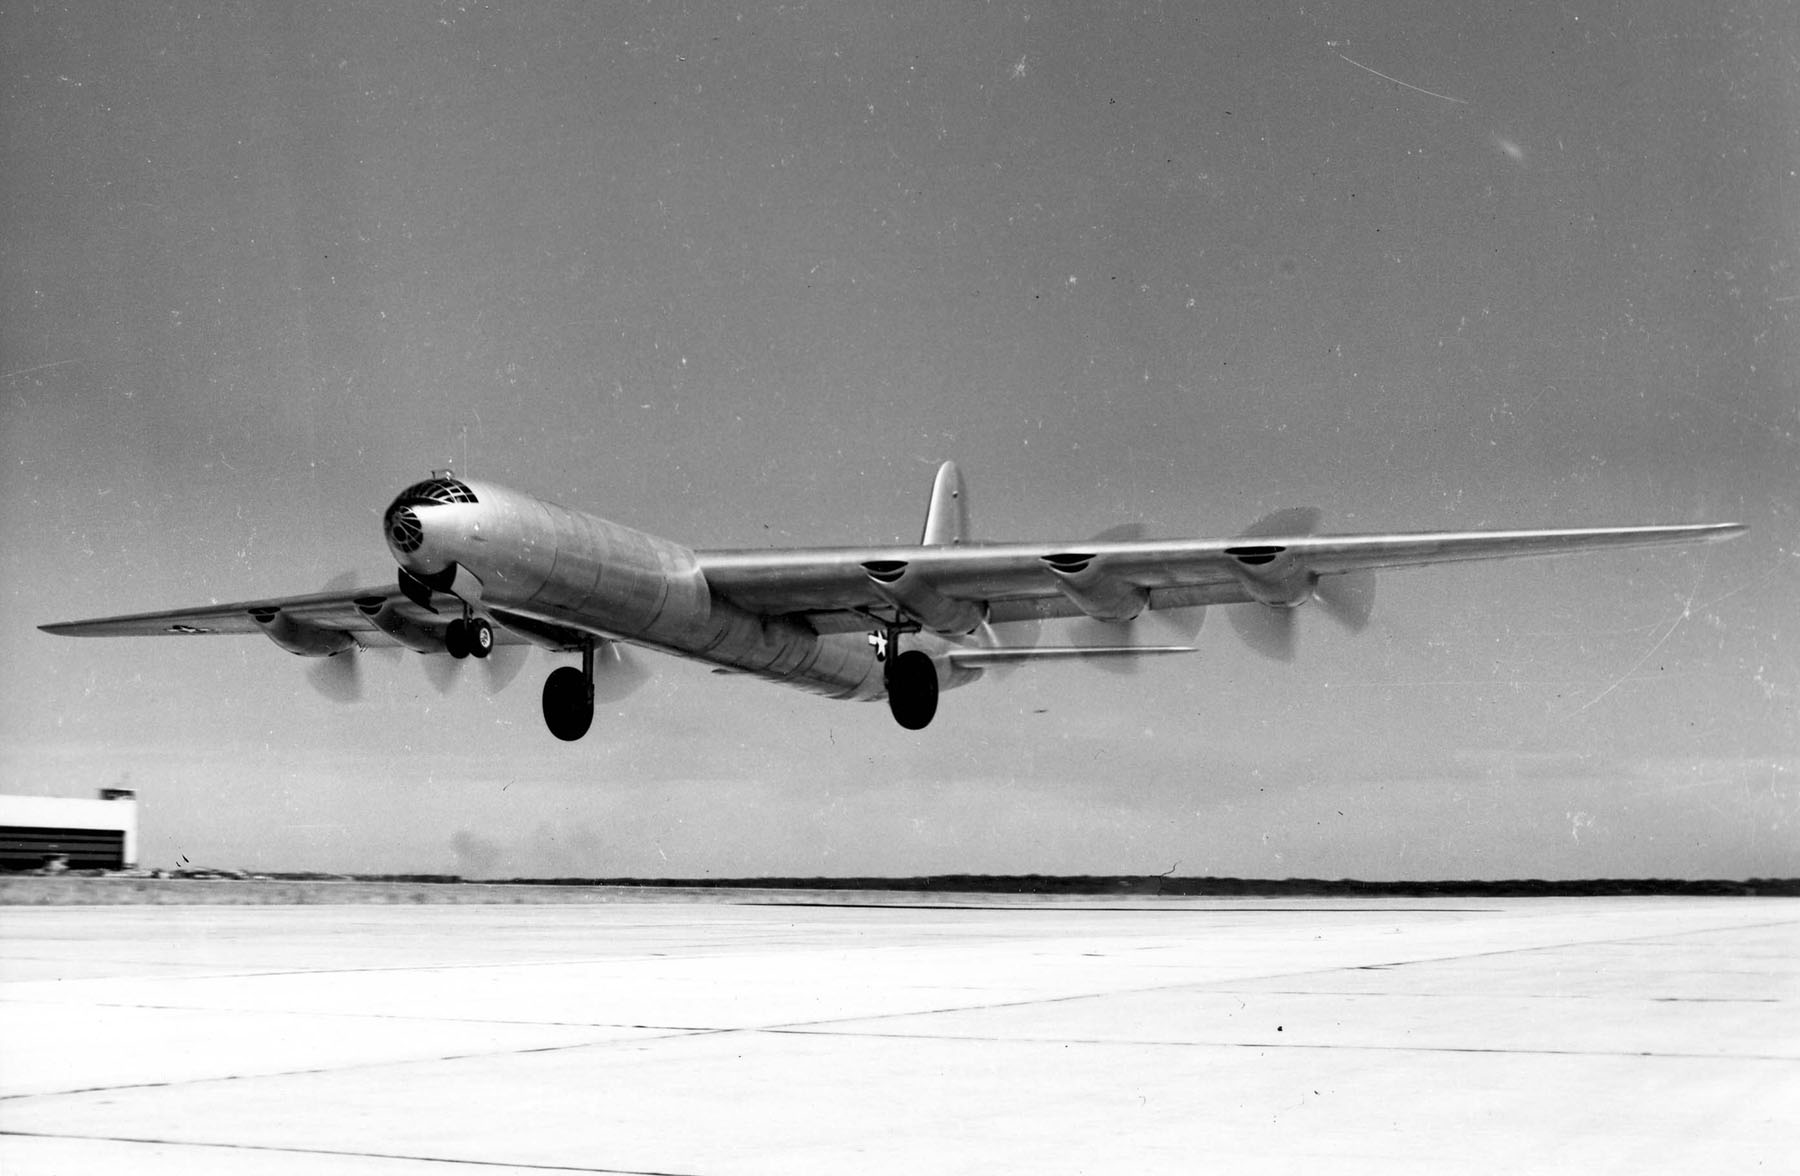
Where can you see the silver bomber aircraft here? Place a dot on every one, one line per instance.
(481, 565)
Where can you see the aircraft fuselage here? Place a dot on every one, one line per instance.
(547, 562)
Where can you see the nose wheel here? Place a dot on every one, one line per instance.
(471, 637)
(569, 698)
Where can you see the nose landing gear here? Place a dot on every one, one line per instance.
(466, 635)
(469, 637)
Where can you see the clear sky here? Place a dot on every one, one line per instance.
(744, 278)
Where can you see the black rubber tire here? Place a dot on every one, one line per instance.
(912, 687)
(456, 639)
(568, 707)
(481, 637)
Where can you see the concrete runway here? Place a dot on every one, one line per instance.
(1078, 1036)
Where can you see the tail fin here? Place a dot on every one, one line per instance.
(947, 519)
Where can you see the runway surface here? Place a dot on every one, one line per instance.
(1100, 1036)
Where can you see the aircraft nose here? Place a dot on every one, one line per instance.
(405, 526)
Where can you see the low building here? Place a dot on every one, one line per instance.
(57, 832)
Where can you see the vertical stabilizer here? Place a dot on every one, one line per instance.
(947, 519)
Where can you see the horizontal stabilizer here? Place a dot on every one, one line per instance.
(985, 657)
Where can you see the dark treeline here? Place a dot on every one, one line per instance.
(1116, 884)
(1216, 887)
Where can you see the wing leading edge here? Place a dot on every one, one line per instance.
(377, 616)
(327, 610)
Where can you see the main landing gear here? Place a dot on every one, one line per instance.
(912, 682)
(569, 698)
(469, 636)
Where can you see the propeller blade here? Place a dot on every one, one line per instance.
(338, 677)
(1120, 667)
(1087, 631)
(1091, 632)
(504, 662)
(1009, 635)
(1159, 627)
(441, 669)
(617, 672)
(1289, 521)
(1123, 533)
(1162, 627)
(1349, 598)
(1268, 630)
(501, 666)
(1169, 626)
(498, 668)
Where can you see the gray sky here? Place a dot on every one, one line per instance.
(743, 279)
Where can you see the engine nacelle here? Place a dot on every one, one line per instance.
(1100, 596)
(1272, 576)
(898, 584)
(299, 637)
(384, 616)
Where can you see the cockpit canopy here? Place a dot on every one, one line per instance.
(435, 490)
(403, 529)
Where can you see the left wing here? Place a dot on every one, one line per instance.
(321, 622)
(326, 610)
(838, 589)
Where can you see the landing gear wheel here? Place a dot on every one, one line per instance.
(568, 703)
(456, 639)
(480, 637)
(912, 688)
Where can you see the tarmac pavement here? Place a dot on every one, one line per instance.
(1070, 1036)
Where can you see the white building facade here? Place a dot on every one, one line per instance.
(40, 831)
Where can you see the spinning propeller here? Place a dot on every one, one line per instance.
(1168, 626)
(1348, 598)
(498, 668)
(338, 677)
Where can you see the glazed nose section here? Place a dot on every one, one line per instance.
(409, 524)
(405, 534)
